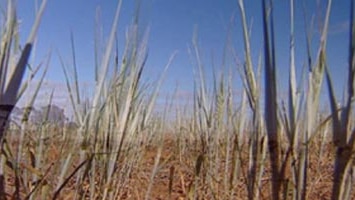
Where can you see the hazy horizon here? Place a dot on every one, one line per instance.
(171, 25)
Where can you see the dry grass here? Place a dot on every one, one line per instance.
(179, 172)
(121, 150)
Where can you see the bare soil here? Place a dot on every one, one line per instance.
(176, 175)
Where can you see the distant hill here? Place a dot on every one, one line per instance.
(50, 113)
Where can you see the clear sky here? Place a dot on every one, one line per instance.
(171, 24)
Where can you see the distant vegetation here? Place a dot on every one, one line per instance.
(44, 114)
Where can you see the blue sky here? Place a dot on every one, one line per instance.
(171, 24)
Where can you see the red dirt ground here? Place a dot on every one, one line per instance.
(175, 177)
